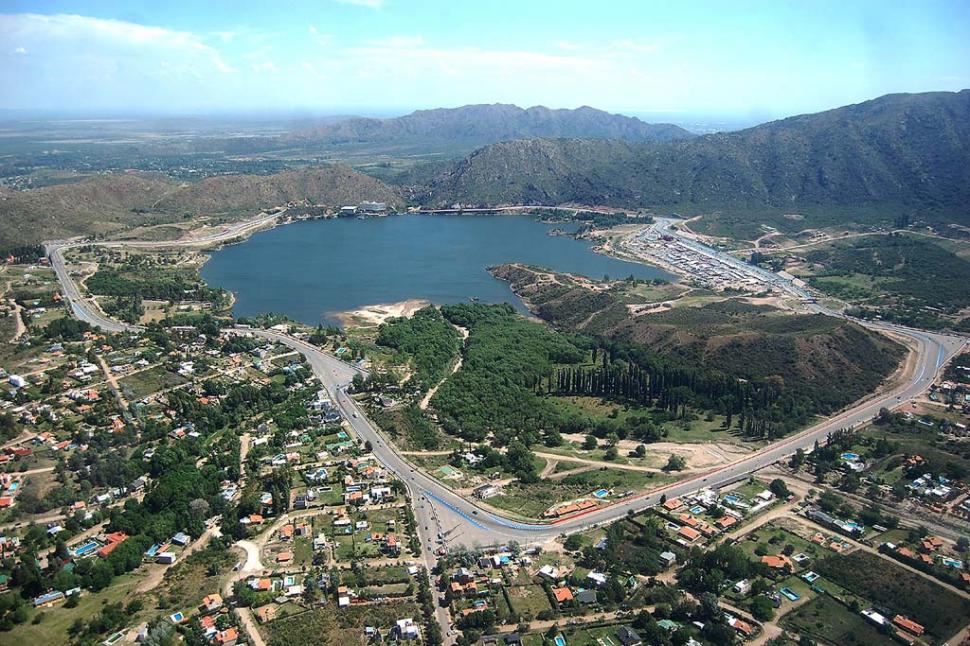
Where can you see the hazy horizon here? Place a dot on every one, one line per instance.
(748, 62)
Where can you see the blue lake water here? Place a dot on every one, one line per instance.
(312, 270)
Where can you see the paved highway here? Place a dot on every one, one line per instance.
(477, 526)
(85, 309)
(461, 521)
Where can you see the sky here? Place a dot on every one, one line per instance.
(737, 59)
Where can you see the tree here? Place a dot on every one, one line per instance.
(762, 608)
(779, 488)
(590, 442)
(675, 463)
(963, 543)
(573, 542)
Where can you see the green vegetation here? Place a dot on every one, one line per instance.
(768, 370)
(332, 626)
(109, 282)
(841, 163)
(883, 583)
(410, 428)
(144, 383)
(898, 277)
(427, 340)
(831, 622)
(506, 358)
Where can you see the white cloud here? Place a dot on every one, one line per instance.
(370, 4)
(20, 50)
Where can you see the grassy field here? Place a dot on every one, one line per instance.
(530, 500)
(829, 622)
(698, 429)
(529, 600)
(144, 383)
(52, 628)
(328, 625)
(885, 584)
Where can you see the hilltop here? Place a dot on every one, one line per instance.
(910, 151)
(110, 202)
(826, 362)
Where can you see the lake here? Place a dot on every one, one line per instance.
(314, 269)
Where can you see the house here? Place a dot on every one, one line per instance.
(49, 599)
(113, 540)
(740, 626)
(667, 559)
(587, 597)
(227, 637)
(405, 629)
(628, 636)
(211, 602)
(908, 625)
(512, 639)
(261, 585)
(486, 491)
(182, 539)
(875, 618)
(742, 587)
(266, 613)
(672, 504)
(724, 522)
(562, 595)
(689, 534)
(284, 557)
(549, 571)
(596, 578)
(165, 558)
(778, 562)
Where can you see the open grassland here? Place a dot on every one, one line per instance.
(883, 583)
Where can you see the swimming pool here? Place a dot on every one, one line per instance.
(85, 549)
(601, 493)
(697, 510)
(791, 594)
(731, 499)
(560, 640)
(849, 456)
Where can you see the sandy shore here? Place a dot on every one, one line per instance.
(377, 314)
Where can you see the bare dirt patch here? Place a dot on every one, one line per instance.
(377, 314)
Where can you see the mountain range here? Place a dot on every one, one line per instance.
(910, 150)
(898, 153)
(489, 123)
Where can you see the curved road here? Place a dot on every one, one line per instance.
(461, 521)
(483, 527)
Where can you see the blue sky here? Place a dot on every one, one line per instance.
(754, 59)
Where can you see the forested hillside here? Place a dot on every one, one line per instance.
(904, 152)
(807, 363)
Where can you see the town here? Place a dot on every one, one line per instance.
(204, 479)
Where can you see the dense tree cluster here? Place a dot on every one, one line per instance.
(427, 339)
(506, 359)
